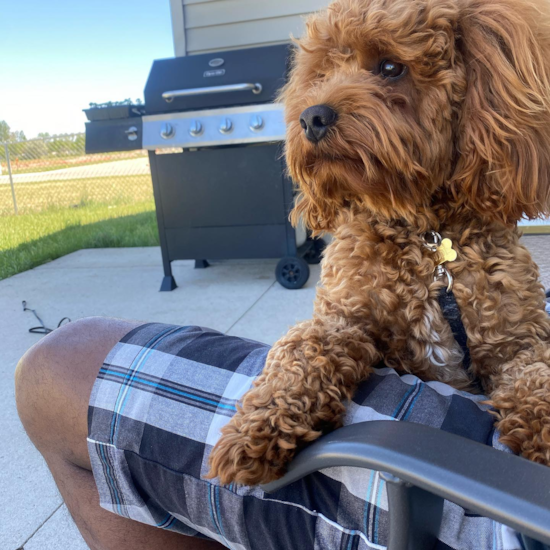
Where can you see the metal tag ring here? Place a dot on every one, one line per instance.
(437, 240)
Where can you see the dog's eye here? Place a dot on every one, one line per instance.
(391, 69)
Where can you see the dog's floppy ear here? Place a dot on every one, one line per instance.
(503, 141)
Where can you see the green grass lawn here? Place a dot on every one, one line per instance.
(40, 196)
(59, 217)
(29, 240)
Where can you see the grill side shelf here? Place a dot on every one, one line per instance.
(107, 136)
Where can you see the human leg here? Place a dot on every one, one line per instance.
(53, 384)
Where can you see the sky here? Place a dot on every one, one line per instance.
(57, 56)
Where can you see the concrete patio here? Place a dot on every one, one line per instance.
(236, 297)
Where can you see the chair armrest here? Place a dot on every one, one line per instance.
(492, 483)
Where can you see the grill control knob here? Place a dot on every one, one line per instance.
(167, 131)
(226, 126)
(196, 128)
(132, 133)
(256, 123)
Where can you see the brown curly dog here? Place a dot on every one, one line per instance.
(406, 117)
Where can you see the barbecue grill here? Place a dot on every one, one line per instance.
(214, 133)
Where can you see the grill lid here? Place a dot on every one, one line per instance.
(224, 79)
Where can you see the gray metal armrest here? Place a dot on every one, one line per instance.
(498, 485)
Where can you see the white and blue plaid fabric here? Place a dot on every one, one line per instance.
(155, 413)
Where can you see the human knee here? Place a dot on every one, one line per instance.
(45, 369)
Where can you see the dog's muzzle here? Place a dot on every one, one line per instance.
(316, 121)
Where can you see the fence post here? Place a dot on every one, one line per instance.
(7, 150)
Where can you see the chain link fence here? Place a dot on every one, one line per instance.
(54, 173)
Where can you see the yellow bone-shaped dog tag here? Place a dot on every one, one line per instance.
(446, 252)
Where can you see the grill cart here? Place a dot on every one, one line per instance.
(214, 134)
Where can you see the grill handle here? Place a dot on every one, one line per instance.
(254, 88)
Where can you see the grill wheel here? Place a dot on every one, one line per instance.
(292, 273)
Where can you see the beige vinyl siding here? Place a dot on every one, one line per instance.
(216, 25)
(222, 12)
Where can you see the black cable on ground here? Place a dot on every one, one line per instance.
(42, 329)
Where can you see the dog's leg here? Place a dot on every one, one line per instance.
(521, 396)
(299, 395)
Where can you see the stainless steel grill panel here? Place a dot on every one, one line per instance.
(214, 127)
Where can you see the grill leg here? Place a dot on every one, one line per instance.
(168, 281)
(415, 515)
(168, 284)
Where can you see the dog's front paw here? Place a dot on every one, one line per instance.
(237, 459)
(256, 448)
(524, 414)
(528, 433)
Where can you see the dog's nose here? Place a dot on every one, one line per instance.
(316, 121)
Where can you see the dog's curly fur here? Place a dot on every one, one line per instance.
(461, 145)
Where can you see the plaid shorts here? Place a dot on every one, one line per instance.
(155, 413)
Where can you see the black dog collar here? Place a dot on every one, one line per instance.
(447, 301)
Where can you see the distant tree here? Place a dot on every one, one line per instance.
(44, 135)
(6, 134)
(4, 131)
(18, 135)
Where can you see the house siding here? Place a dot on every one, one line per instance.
(202, 26)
